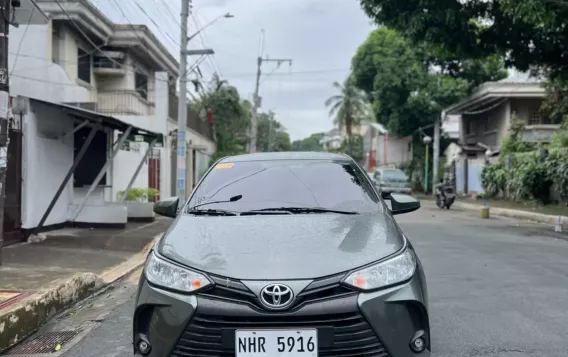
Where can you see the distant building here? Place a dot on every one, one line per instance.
(331, 139)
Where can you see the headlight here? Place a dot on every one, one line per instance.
(389, 272)
(170, 276)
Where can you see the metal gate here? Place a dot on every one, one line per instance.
(154, 171)
(13, 187)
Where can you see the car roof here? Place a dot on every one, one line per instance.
(288, 155)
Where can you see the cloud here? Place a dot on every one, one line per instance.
(320, 36)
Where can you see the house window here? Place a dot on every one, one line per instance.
(535, 118)
(141, 83)
(83, 65)
(55, 36)
(470, 128)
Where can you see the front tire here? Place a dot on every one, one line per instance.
(439, 202)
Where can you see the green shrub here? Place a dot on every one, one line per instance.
(147, 194)
(494, 180)
(556, 165)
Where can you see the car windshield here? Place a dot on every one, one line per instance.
(330, 185)
(394, 175)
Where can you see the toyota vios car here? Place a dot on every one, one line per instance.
(283, 255)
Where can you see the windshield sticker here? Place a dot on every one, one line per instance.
(227, 165)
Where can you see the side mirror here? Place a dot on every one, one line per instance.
(167, 207)
(385, 195)
(401, 203)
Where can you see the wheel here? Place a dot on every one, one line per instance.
(439, 202)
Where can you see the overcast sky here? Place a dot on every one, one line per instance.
(320, 36)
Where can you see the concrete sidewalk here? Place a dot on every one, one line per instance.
(39, 280)
(475, 206)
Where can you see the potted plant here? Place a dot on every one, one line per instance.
(139, 203)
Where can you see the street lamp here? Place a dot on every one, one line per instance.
(226, 16)
(427, 141)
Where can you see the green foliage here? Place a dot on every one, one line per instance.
(494, 180)
(513, 142)
(557, 168)
(231, 116)
(530, 34)
(529, 177)
(146, 194)
(348, 108)
(476, 29)
(353, 146)
(271, 134)
(560, 137)
(405, 92)
(311, 143)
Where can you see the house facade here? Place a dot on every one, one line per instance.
(485, 118)
(382, 150)
(331, 140)
(81, 59)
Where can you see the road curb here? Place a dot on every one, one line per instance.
(28, 315)
(509, 213)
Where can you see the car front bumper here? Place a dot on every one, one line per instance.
(380, 323)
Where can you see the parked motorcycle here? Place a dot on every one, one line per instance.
(445, 195)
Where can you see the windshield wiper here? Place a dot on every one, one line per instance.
(211, 212)
(298, 210)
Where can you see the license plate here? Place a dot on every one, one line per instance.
(276, 343)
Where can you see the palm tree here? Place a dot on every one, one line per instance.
(349, 108)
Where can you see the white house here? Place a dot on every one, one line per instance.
(485, 117)
(331, 139)
(82, 59)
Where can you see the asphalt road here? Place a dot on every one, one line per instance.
(497, 288)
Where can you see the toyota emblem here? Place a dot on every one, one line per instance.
(276, 296)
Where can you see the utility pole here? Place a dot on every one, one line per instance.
(436, 153)
(270, 119)
(256, 98)
(182, 104)
(4, 107)
(182, 100)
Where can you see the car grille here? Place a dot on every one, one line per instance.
(213, 335)
(320, 289)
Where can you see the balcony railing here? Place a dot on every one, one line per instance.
(200, 125)
(539, 133)
(125, 102)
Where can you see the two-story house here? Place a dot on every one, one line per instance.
(81, 58)
(485, 117)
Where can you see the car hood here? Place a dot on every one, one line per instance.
(272, 247)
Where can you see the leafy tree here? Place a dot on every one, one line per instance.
(528, 32)
(231, 117)
(349, 107)
(311, 143)
(396, 75)
(271, 134)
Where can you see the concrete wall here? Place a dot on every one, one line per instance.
(488, 127)
(46, 159)
(399, 150)
(125, 162)
(47, 156)
(33, 72)
(472, 173)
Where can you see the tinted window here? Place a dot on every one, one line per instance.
(288, 183)
(394, 175)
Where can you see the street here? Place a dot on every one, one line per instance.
(497, 288)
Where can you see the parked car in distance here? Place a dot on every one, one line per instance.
(391, 180)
